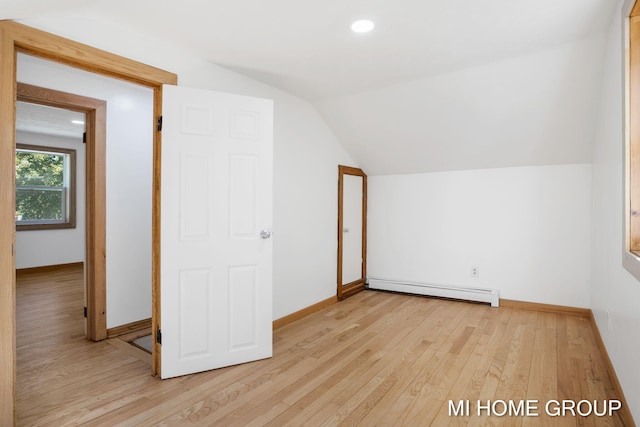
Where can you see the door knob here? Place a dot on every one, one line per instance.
(265, 234)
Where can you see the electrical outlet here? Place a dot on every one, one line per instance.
(609, 320)
(475, 271)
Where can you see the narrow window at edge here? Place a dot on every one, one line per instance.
(633, 161)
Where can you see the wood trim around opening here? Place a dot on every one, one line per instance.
(636, 10)
(95, 193)
(156, 318)
(16, 37)
(348, 289)
(633, 161)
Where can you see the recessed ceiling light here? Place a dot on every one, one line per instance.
(362, 26)
(77, 122)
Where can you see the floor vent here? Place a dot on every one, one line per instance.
(491, 296)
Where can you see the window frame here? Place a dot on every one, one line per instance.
(70, 222)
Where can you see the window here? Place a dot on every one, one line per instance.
(45, 187)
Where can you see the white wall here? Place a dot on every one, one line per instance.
(613, 288)
(35, 248)
(306, 156)
(129, 174)
(526, 228)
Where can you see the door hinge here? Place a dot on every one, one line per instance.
(85, 312)
(84, 137)
(159, 336)
(160, 124)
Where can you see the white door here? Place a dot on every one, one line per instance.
(216, 215)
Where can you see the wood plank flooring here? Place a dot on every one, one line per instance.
(373, 359)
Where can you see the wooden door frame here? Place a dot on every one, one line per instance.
(95, 202)
(356, 286)
(16, 38)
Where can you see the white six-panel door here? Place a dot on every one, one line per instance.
(216, 201)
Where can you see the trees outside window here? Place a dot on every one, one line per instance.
(45, 187)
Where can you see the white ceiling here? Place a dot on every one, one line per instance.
(306, 48)
(48, 120)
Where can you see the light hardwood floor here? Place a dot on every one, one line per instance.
(372, 359)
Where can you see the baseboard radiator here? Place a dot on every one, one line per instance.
(491, 296)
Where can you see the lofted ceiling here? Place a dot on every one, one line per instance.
(372, 89)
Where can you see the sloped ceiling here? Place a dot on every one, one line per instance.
(536, 109)
(438, 85)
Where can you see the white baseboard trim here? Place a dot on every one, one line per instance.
(491, 296)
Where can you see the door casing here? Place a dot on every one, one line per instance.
(95, 204)
(347, 289)
(16, 38)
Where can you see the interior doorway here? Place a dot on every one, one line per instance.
(16, 38)
(352, 231)
(95, 189)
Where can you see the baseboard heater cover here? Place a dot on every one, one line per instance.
(437, 290)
